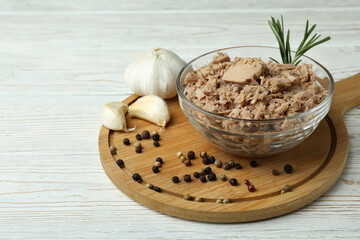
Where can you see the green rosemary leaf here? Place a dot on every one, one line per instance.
(273, 60)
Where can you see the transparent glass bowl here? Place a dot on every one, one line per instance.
(254, 138)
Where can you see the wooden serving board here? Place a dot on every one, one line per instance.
(318, 162)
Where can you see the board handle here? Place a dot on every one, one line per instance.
(346, 95)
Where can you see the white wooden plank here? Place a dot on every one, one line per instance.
(44, 6)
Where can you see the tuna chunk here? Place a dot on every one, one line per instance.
(247, 70)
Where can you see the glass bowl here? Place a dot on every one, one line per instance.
(254, 138)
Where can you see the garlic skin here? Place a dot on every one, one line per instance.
(151, 108)
(113, 116)
(154, 72)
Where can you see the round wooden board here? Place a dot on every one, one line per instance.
(317, 162)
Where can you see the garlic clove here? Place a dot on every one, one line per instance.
(154, 72)
(151, 108)
(113, 116)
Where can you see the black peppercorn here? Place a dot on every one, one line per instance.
(275, 172)
(175, 179)
(160, 160)
(126, 141)
(156, 143)
(238, 166)
(211, 177)
(191, 155)
(233, 182)
(212, 159)
(187, 178)
(145, 134)
(203, 178)
(157, 189)
(247, 182)
(208, 170)
(155, 169)
(156, 137)
(136, 177)
(120, 163)
(187, 162)
(288, 168)
(138, 137)
(138, 150)
(253, 163)
(205, 161)
(196, 174)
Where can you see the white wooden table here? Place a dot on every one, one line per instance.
(60, 61)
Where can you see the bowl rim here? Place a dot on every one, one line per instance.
(183, 97)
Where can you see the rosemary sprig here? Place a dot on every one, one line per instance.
(285, 51)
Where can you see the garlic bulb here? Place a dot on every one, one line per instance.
(151, 108)
(113, 116)
(154, 73)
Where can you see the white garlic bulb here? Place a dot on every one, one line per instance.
(113, 116)
(151, 108)
(154, 73)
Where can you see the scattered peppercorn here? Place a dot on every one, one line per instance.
(120, 163)
(251, 188)
(187, 197)
(219, 201)
(157, 189)
(287, 188)
(208, 170)
(253, 163)
(226, 166)
(288, 168)
(126, 141)
(212, 159)
(187, 162)
(191, 155)
(203, 178)
(155, 169)
(156, 143)
(201, 171)
(275, 172)
(145, 134)
(154, 133)
(231, 163)
(233, 182)
(218, 163)
(196, 174)
(138, 137)
(175, 179)
(157, 164)
(223, 177)
(136, 177)
(205, 161)
(197, 199)
(137, 145)
(247, 182)
(211, 177)
(238, 166)
(112, 149)
(138, 150)
(156, 137)
(226, 201)
(149, 185)
(182, 158)
(179, 154)
(160, 160)
(187, 178)
(203, 154)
